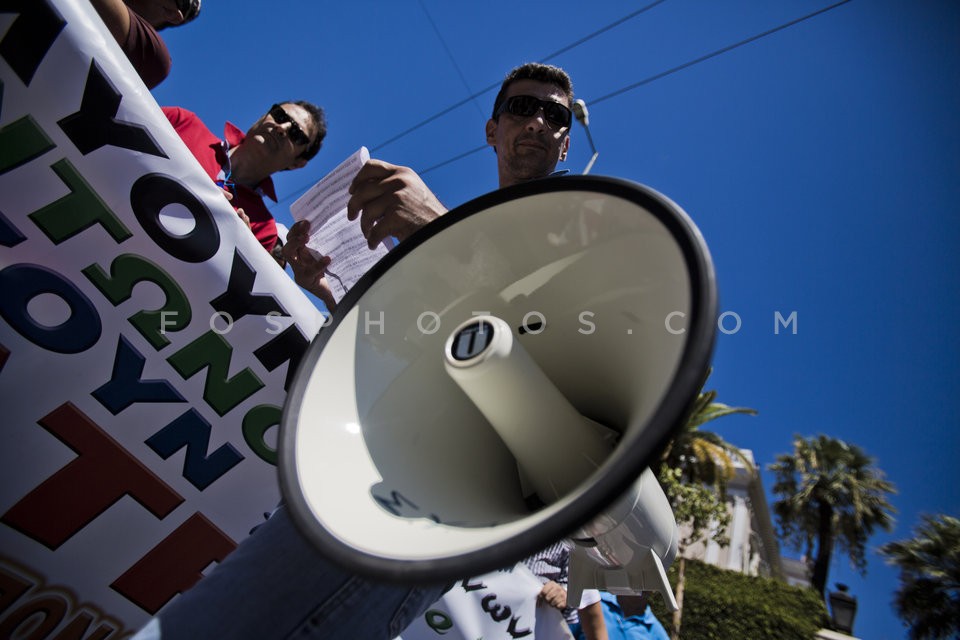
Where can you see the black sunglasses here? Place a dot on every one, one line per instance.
(296, 134)
(526, 106)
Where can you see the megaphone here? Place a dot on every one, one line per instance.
(502, 379)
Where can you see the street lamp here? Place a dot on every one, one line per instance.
(583, 117)
(843, 607)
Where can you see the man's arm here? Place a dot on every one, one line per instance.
(139, 41)
(592, 623)
(390, 201)
(591, 616)
(115, 15)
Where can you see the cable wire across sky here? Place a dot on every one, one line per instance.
(714, 54)
(668, 72)
(496, 84)
(603, 98)
(479, 93)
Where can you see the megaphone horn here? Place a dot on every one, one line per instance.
(501, 380)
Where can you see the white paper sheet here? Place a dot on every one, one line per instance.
(331, 233)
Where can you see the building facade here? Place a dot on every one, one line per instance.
(753, 547)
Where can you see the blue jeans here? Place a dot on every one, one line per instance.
(275, 584)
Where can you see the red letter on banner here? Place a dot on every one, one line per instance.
(73, 497)
(174, 565)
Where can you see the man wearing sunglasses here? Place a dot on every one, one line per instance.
(529, 130)
(284, 138)
(530, 125)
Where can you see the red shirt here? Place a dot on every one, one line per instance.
(211, 152)
(146, 51)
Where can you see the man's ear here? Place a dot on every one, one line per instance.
(492, 133)
(564, 148)
(299, 163)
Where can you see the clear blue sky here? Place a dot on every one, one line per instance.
(821, 162)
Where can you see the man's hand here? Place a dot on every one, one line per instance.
(308, 271)
(243, 216)
(554, 595)
(390, 201)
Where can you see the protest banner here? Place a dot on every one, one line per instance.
(146, 342)
(500, 604)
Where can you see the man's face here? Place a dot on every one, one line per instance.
(528, 147)
(273, 142)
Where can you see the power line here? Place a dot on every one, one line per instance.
(716, 53)
(673, 70)
(612, 94)
(495, 85)
(602, 30)
(454, 159)
(453, 60)
(434, 117)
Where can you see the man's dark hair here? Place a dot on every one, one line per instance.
(319, 119)
(540, 73)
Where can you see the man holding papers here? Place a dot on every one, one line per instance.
(391, 201)
(529, 130)
(333, 236)
(276, 584)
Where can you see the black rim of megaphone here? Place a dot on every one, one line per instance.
(619, 473)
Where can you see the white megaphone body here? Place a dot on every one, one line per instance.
(628, 549)
(502, 380)
(556, 448)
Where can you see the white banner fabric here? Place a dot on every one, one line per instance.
(501, 605)
(146, 341)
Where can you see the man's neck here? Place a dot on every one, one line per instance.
(241, 172)
(508, 179)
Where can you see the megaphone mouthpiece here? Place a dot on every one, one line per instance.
(555, 446)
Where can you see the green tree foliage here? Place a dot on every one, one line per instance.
(694, 472)
(698, 507)
(928, 599)
(830, 492)
(699, 510)
(722, 604)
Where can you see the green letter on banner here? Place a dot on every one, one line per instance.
(255, 426)
(211, 350)
(20, 142)
(125, 272)
(73, 213)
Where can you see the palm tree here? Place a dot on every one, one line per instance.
(830, 492)
(928, 599)
(704, 456)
